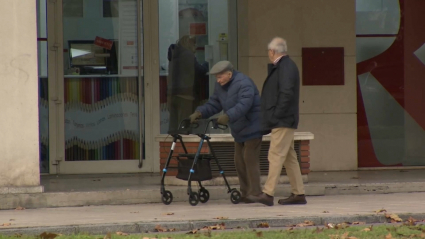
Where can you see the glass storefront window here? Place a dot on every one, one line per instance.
(102, 83)
(390, 63)
(190, 44)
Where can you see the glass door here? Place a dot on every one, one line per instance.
(43, 100)
(102, 86)
(193, 36)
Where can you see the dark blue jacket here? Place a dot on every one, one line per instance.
(240, 100)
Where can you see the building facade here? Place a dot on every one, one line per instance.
(91, 94)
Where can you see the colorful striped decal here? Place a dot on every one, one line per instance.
(92, 94)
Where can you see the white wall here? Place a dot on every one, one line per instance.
(19, 143)
(329, 112)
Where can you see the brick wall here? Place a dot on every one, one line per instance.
(305, 156)
(192, 147)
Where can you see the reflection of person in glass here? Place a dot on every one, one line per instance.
(183, 81)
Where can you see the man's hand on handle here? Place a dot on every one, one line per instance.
(195, 116)
(223, 119)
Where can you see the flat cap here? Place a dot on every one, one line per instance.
(220, 67)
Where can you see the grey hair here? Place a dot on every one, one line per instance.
(278, 45)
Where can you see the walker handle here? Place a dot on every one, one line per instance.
(216, 125)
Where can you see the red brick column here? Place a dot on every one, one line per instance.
(164, 150)
(305, 157)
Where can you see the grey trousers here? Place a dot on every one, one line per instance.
(247, 162)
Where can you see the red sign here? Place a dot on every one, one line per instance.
(199, 28)
(102, 42)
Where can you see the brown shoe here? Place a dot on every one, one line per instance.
(246, 200)
(293, 200)
(262, 198)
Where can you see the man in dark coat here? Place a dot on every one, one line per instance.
(280, 114)
(237, 95)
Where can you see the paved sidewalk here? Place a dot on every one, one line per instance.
(142, 218)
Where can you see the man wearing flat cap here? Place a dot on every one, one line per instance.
(237, 96)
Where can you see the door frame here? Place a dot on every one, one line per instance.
(57, 163)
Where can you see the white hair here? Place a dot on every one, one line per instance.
(278, 45)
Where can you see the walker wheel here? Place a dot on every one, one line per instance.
(193, 199)
(204, 195)
(167, 197)
(235, 196)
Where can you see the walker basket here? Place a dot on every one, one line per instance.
(202, 170)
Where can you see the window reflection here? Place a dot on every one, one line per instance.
(190, 43)
(185, 75)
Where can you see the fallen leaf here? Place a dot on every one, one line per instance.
(263, 225)
(341, 226)
(368, 229)
(306, 224)
(193, 232)
(389, 236)
(380, 210)
(325, 211)
(170, 214)
(121, 234)
(221, 218)
(108, 236)
(411, 222)
(221, 226)
(330, 225)
(359, 223)
(46, 235)
(259, 234)
(318, 230)
(20, 208)
(352, 238)
(158, 228)
(289, 229)
(394, 218)
(6, 224)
